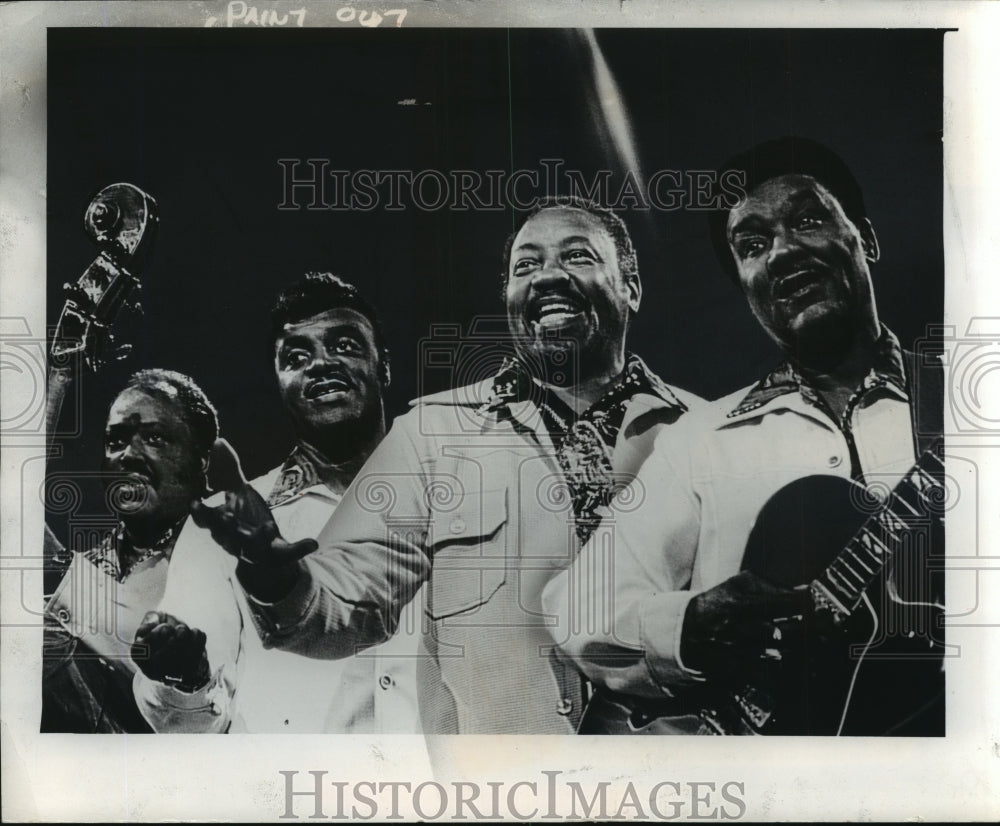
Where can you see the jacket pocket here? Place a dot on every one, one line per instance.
(468, 551)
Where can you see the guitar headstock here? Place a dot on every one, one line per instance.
(120, 220)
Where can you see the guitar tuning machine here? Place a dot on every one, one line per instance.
(122, 352)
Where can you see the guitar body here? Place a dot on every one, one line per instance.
(608, 713)
(876, 669)
(879, 672)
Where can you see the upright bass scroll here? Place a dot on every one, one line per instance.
(121, 220)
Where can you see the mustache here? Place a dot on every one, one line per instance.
(332, 379)
(133, 467)
(569, 300)
(790, 274)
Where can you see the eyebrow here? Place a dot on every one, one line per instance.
(745, 224)
(565, 242)
(294, 340)
(350, 330)
(805, 195)
(336, 331)
(526, 246)
(749, 223)
(576, 239)
(129, 425)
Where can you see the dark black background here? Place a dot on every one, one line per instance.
(199, 118)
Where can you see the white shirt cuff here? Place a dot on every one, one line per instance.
(661, 621)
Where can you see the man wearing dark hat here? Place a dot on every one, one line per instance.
(706, 637)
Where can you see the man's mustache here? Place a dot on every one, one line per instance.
(134, 467)
(563, 300)
(329, 381)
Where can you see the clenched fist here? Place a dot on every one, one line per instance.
(167, 651)
(244, 527)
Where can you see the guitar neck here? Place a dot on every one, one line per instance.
(913, 503)
(59, 381)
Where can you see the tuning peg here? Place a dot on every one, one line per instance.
(122, 352)
(137, 306)
(104, 215)
(75, 291)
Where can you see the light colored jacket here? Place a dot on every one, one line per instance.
(476, 503)
(696, 500)
(256, 690)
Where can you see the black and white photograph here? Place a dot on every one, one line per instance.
(555, 413)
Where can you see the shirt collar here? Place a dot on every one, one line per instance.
(887, 368)
(117, 556)
(298, 473)
(513, 383)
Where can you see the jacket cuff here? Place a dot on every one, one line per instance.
(661, 621)
(279, 619)
(153, 693)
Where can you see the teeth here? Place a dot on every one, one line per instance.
(795, 283)
(130, 493)
(561, 308)
(327, 386)
(551, 308)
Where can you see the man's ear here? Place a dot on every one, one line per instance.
(869, 243)
(634, 287)
(203, 464)
(385, 373)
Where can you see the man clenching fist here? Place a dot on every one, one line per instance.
(166, 650)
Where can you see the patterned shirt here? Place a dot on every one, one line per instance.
(887, 369)
(583, 443)
(712, 476)
(298, 472)
(117, 556)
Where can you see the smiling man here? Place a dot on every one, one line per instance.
(159, 432)
(336, 408)
(206, 670)
(485, 491)
(568, 294)
(687, 631)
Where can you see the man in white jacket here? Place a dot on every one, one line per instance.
(683, 631)
(202, 665)
(481, 493)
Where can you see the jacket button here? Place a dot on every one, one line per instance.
(385, 681)
(833, 461)
(457, 526)
(565, 706)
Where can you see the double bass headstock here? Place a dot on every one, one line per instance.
(120, 220)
